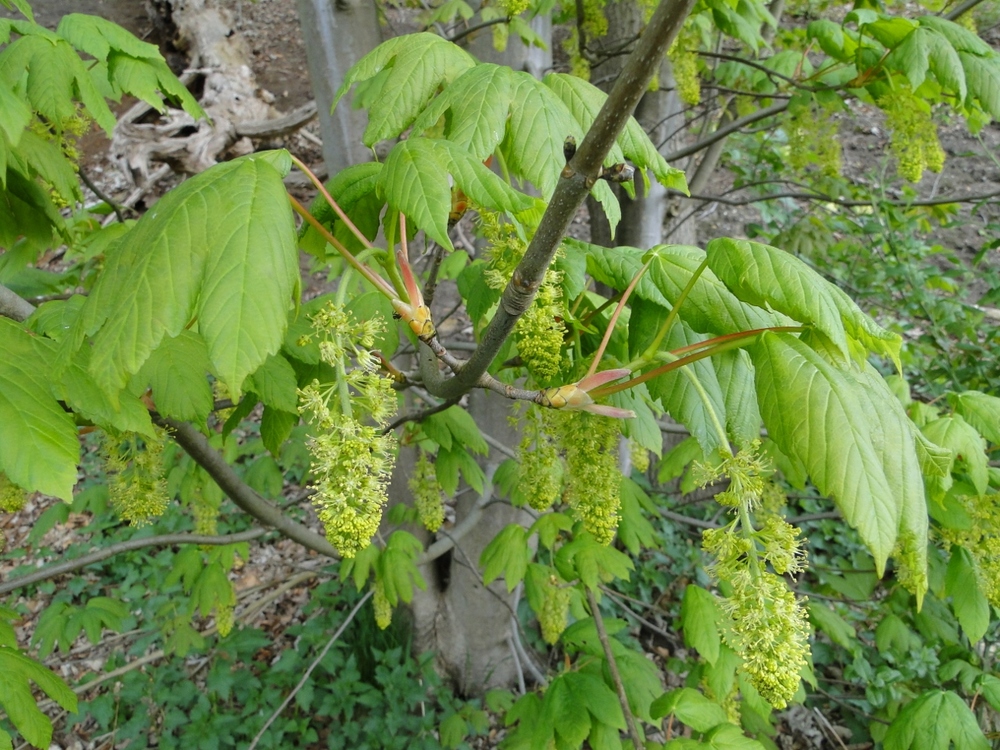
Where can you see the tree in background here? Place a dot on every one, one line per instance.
(191, 355)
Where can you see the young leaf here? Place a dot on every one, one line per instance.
(417, 181)
(934, 721)
(690, 707)
(966, 444)
(967, 599)
(507, 554)
(396, 567)
(700, 617)
(135, 67)
(811, 411)
(176, 371)
(634, 531)
(220, 248)
(39, 449)
(15, 695)
(418, 65)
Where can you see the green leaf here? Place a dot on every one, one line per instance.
(585, 101)
(735, 372)
(967, 599)
(418, 65)
(981, 411)
(691, 708)
(478, 295)
(477, 104)
(700, 617)
(46, 160)
(275, 427)
(590, 561)
(136, 67)
(770, 278)
(176, 371)
(890, 32)
(15, 695)
(945, 63)
(416, 182)
(355, 191)
(934, 721)
(56, 77)
(643, 429)
(818, 415)
(462, 427)
(692, 395)
(840, 631)
(39, 449)
(219, 249)
(396, 567)
(965, 443)
(634, 531)
(730, 737)
(892, 634)
(506, 555)
(958, 37)
(982, 75)
(452, 731)
(274, 381)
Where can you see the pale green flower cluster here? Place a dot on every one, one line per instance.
(538, 457)
(915, 141)
(683, 54)
(812, 140)
(12, 497)
(639, 457)
(136, 485)
(593, 487)
(745, 471)
(538, 332)
(770, 632)
(595, 25)
(351, 462)
(225, 618)
(555, 611)
(427, 494)
(381, 605)
(514, 7)
(981, 539)
(768, 627)
(911, 568)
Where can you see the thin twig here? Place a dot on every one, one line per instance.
(132, 544)
(100, 194)
(309, 671)
(616, 677)
(477, 27)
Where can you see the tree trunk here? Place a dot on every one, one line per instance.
(469, 626)
(649, 218)
(337, 33)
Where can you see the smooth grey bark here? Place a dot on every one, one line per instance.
(646, 221)
(337, 34)
(468, 625)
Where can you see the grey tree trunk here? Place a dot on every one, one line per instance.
(337, 33)
(647, 220)
(469, 626)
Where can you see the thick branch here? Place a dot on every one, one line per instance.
(14, 306)
(197, 446)
(132, 544)
(962, 9)
(577, 180)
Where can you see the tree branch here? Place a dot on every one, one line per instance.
(305, 677)
(197, 446)
(14, 306)
(962, 9)
(844, 202)
(616, 677)
(576, 181)
(726, 130)
(132, 544)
